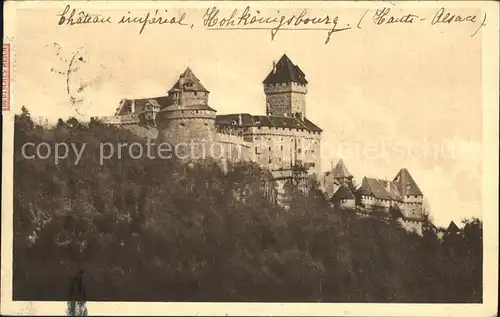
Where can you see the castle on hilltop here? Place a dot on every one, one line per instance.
(283, 140)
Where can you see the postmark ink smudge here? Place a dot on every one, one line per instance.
(71, 67)
(76, 303)
(79, 80)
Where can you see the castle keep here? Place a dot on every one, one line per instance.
(283, 140)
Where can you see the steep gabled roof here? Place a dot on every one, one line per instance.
(284, 72)
(340, 170)
(452, 228)
(379, 188)
(406, 185)
(344, 192)
(139, 105)
(191, 82)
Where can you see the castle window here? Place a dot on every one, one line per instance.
(269, 148)
(269, 160)
(182, 124)
(279, 159)
(282, 147)
(196, 111)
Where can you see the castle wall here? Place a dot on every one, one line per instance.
(411, 226)
(345, 203)
(371, 202)
(280, 148)
(120, 119)
(412, 206)
(413, 199)
(234, 148)
(348, 203)
(412, 210)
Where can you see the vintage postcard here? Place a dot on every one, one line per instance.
(231, 158)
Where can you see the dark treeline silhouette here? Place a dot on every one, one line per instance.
(157, 230)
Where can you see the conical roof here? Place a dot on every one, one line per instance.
(340, 170)
(189, 81)
(405, 184)
(344, 192)
(285, 72)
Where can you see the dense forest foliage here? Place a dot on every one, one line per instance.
(157, 230)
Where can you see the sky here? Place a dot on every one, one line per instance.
(413, 90)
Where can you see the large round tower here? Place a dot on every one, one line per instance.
(187, 123)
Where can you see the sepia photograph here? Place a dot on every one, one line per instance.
(250, 158)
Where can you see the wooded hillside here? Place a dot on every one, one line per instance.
(156, 230)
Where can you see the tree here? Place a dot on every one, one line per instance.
(24, 120)
(161, 230)
(25, 112)
(72, 122)
(60, 123)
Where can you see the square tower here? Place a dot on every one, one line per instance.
(286, 88)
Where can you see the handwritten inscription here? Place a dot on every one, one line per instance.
(81, 17)
(442, 16)
(74, 17)
(253, 19)
(384, 16)
(154, 18)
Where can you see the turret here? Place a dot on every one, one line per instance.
(188, 90)
(412, 200)
(187, 123)
(336, 177)
(410, 194)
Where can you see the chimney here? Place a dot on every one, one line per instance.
(240, 121)
(388, 186)
(132, 106)
(274, 67)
